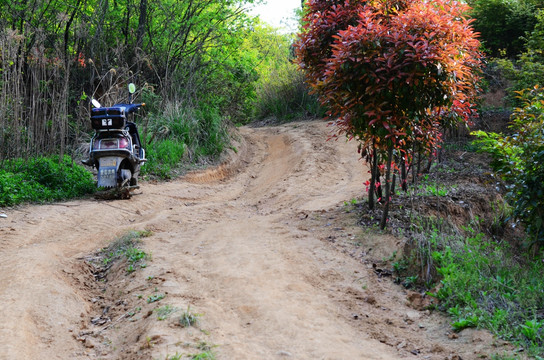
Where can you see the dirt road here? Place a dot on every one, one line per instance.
(261, 248)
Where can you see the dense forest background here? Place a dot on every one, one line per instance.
(200, 65)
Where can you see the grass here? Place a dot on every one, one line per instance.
(176, 356)
(154, 298)
(181, 135)
(189, 318)
(482, 283)
(43, 179)
(165, 311)
(126, 247)
(207, 352)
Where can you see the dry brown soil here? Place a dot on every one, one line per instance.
(261, 247)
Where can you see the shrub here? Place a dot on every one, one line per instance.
(483, 285)
(43, 179)
(518, 160)
(180, 133)
(285, 96)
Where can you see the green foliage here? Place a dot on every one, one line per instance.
(285, 96)
(126, 247)
(154, 298)
(43, 179)
(523, 73)
(165, 311)
(484, 285)
(518, 159)
(202, 60)
(527, 69)
(503, 24)
(189, 318)
(280, 89)
(183, 133)
(481, 283)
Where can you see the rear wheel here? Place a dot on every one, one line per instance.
(125, 177)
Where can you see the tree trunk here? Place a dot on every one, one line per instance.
(403, 174)
(373, 172)
(383, 222)
(141, 24)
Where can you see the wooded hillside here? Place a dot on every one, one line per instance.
(195, 59)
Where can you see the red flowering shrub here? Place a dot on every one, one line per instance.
(393, 73)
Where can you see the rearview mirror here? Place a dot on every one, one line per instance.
(95, 103)
(131, 88)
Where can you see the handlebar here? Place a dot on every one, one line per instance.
(130, 108)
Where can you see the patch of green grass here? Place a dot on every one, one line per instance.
(43, 179)
(207, 352)
(176, 356)
(127, 246)
(154, 298)
(189, 318)
(165, 311)
(483, 284)
(206, 355)
(182, 135)
(432, 189)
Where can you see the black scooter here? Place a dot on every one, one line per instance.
(115, 149)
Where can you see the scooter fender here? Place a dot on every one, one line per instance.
(107, 171)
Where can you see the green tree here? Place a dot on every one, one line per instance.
(503, 24)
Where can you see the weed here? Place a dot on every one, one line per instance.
(183, 132)
(483, 283)
(165, 311)
(433, 189)
(471, 321)
(134, 255)
(207, 355)
(531, 330)
(173, 357)
(410, 281)
(188, 318)
(134, 312)
(154, 298)
(126, 246)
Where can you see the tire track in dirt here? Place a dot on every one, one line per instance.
(244, 244)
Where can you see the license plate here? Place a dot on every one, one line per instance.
(112, 162)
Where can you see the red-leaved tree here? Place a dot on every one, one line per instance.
(394, 73)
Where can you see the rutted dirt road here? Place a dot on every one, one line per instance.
(259, 247)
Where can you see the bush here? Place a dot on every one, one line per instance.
(285, 96)
(484, 285)
(518, 159)
(523, 73)
(43, 179)
(183, 133)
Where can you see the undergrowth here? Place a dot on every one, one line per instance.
(126, 247)
(484, 285)
(43, 179)
(183, 135)
(480, 281)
